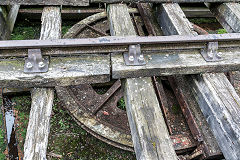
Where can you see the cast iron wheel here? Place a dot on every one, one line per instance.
(96, 110)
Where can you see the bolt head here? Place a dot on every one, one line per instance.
(131, 58)
(41, 65)
(29, 65)
(219, 55)
(141, 58)
(210, 54)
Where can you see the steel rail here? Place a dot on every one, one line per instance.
(122, 41)
(85, 3)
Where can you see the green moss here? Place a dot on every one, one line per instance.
(202, 20)
(221, 31)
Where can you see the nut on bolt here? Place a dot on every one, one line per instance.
(41, 64)
(29, 65)
(141, 58)
(131, 58)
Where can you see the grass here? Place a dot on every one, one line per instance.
(202, 20)
(21, 32)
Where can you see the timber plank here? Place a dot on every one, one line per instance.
(3, 27)
(7, 21)
(220, 105)
(35, 146)
(174, 62)
(175, 22)
(218, 102)
(149, 132)
(228, 15)
(46, 2)
(63, 71)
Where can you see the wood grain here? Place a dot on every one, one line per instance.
(63, 71)
(175, 23)
(175, 62)
(150, 136)
(46, 2)
(35, 146)
(228, 15)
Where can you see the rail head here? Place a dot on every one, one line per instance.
(116, 41)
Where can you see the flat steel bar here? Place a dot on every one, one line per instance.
(85, 2)
(119, 41)
(46, 2)
(160, 1)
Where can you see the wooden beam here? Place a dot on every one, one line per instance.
(63, 71)
(35, 147)
(228, 15)
(46, 2)
(173, 63)
(196, 12)
(220, 105)
(7, 24)
(149, 132)
(12, 16)
(3, 26)
(173, 22)
(215, 96)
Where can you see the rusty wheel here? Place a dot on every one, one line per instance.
(96, 109)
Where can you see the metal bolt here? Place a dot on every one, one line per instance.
(41, 65)
(219, 55)
(210, 54)
(29, 65)
(141, 58)
(131, 58)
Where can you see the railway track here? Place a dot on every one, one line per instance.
(155, 59)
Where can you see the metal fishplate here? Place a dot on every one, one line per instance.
(134, 56)
(210, 52)
(35, 63)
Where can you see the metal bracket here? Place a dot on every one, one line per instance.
(35, 63)
(210, 52)
(134, 57)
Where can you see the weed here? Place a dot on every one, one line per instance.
(221, 31)
(121, 104)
